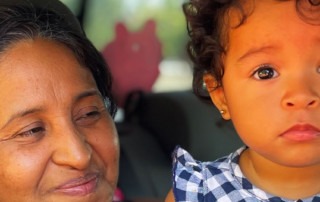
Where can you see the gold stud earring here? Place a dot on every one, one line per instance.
(204, 86)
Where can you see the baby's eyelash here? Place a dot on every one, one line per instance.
(264, 72)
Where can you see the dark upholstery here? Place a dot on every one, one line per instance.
(180, 118)
(144, 169)
(155, 124)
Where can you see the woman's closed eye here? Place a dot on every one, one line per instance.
(88, 116)
(33, 131)
(265, 72)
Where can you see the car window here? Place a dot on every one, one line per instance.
(100, 16)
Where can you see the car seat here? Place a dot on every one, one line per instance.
(155, 123)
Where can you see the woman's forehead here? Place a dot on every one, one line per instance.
(41, 58)
(42, 73)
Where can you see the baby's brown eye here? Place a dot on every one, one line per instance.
(265, 73)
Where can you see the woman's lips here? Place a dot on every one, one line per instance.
(303, 132)
(79, 186)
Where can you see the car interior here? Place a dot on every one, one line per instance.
(152, 123)
(154, 126)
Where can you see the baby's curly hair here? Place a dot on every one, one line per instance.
(207, 25)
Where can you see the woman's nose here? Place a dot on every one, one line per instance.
(71, 149)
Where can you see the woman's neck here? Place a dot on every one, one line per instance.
(287, 182)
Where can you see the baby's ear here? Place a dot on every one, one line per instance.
(217, 95)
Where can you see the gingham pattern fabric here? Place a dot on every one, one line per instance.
(220, 180)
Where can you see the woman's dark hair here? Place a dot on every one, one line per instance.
(28, 21)
(207, 24)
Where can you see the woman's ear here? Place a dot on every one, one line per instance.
(217, 95)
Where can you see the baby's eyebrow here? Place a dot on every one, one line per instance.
(256, 50)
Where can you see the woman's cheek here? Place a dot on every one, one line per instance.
(19, 172)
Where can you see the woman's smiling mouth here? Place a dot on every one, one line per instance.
(79, 186)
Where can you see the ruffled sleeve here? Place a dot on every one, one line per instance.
(187, 177)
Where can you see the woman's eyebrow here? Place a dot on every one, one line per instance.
(257, 50)
(25, 112)
(88, 93)
(20, 114)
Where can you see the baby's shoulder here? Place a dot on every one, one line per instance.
(184, 159)
(194, 179)
(218, 180)
(186, 167)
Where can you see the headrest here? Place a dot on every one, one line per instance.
(180, 118)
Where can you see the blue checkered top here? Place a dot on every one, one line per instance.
(220, 180)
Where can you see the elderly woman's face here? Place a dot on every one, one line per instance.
(57, 140)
